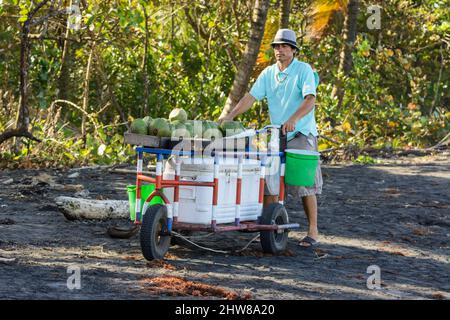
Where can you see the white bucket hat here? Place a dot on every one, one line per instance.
(286, 36)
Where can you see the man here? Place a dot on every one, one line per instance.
(290, 89)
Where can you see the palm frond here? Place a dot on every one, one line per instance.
(264, 56)
(320, 14)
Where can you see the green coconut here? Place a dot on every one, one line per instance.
(190, 129)
(176, 122)
(139, 126)
(178, 114)
(148, 121)
(205, 125)
(197, 128)
(230, 128)
(159, 127)
(180, 130)
(213, 124)
(212, 134)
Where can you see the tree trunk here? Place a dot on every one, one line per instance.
(111, 96)
(242, 78)
(63, 80)
(284, 13)
(23, 113)
(23, 119)
(86, 93)
(350, 25)
(86, 82)
(145, 110)
(436, 95)
(346, 61)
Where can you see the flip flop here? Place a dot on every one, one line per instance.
(311, 241)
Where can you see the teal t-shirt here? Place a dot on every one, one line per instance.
(285, 92)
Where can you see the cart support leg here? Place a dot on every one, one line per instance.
(169, 217)
(261, 186)
(149, 198)
(215, 192)
(282, 190)
(238, 192)
(159, 168)
(177, 190)
(137, 218)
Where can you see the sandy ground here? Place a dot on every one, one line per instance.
(394, 215)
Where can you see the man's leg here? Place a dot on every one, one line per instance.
(268, 199)
(308, 194)
(310, 206)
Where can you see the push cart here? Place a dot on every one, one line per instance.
(217, 191)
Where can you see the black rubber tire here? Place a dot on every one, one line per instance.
(273, 241)
(153, 244)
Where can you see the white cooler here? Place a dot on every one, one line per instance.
(195, 203)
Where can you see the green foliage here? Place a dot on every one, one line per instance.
(364, 160)
(65, 149)
(396, 95)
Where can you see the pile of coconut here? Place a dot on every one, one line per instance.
(179, 126)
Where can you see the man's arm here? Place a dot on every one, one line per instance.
(306, 106)
(243, 105)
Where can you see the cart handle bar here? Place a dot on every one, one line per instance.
(214, 153)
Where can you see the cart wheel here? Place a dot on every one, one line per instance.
(154, 244)
(274, 242)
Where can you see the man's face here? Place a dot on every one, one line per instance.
(283, 52)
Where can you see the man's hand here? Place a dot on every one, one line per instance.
(288, 126)
(226, 118)
(304, 109)
(243, 105)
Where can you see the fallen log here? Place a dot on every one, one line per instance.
(7, 260)
(79, 208)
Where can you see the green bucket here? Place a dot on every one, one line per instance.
(146, 189)
(301, 166)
